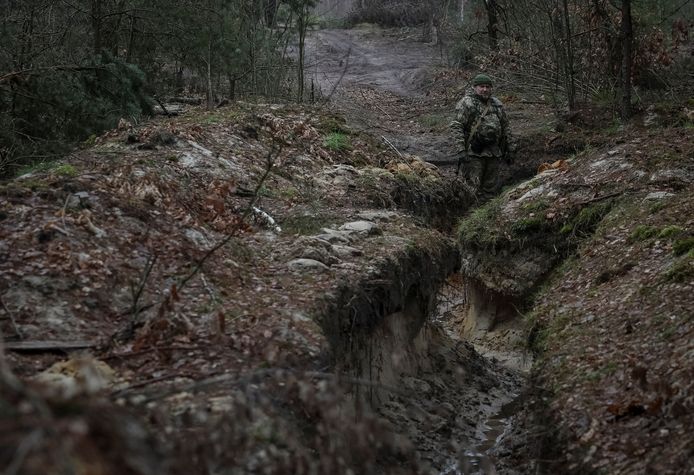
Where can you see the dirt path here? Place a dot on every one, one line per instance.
(378, 78)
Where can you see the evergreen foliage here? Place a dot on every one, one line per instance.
(45, 113)
(69, 70)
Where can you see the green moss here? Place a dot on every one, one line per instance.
(657, 206)
(643, 232)
(288, 193)
(683, 246)
(434, 121)
(332, 124)
(89, 141)
(304, 224)
(589, 217)
(66, 170)
(480, 229)
(585, 222)
(566, 228)
(669, 232)
(337, 142)
(530, 224)
(682, 270)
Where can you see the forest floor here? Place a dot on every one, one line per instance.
(269, 288)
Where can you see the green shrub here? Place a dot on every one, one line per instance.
(337, 142)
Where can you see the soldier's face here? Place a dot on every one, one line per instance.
(484, 90)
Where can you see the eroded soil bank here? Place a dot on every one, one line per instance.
(601, 248)
(225, 292)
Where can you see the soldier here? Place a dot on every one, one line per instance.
(483, 136)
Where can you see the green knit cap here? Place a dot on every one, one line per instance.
(481, 79)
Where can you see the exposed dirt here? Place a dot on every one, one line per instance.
(375, 77)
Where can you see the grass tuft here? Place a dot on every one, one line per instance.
(337, 142)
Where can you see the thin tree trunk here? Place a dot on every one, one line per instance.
(492, 24)
(569, 66)
(96, 25)
(302, 44)
(209, 74)
(627, 38)
(131, 40)
(270, 12)
(232, 87)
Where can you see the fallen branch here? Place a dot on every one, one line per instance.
(600, 198)
(128, 333)
(49, 345)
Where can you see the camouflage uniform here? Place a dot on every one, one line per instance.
(482, 153)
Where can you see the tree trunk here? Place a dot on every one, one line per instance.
(131, 41)
(492, 24)
(209, 75)
(232, 87)
(96, 25)
(302, 46)
(569, 66)
(627, 39)
(270, 12)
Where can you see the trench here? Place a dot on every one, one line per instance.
(447, 367)
(446, 358)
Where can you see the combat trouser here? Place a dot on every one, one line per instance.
(482, 175)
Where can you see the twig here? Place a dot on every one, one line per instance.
(148, 270)
(373, 103)
(166, 112)
(604, 197)
(342, 75)
(214, 298)
(15, 327)
(135, 310)
(390, 144)
(67, 199)
(24, 72)
(147, 382)
(132, 354)
(249, 210)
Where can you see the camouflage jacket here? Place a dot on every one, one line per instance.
(492, 136)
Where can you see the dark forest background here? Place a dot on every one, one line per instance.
(71, 69)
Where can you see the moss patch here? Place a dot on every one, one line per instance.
(683, 246)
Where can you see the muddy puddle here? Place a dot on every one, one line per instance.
(480, 460)
(498, 341)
